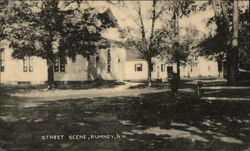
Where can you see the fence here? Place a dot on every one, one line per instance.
(201, 88)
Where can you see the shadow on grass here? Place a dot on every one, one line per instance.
(88, 84)
(61, 86)
(227, 93)
(163, 85)
(155, 85)
(152, 121)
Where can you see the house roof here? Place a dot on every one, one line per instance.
(133, 55)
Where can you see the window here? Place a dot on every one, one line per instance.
(209, 68)
(153, 67)
(97, 59)
(2, 62)
(170, 71)
(59, 65)
(138, 67)
(109, 62)
(27, 64)
(162, 68)
(195, 58)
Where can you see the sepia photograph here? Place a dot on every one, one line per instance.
(124, 75)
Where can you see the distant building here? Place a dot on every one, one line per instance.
(136, 68)
(200, 67)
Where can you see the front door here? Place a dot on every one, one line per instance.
(170, 71)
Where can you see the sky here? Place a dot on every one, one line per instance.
(125, 13)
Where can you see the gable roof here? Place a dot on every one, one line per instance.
(133, 55)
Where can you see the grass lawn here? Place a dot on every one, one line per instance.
(163, 85)
(62, 86)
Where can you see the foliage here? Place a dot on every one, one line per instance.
(244, 59)
(72, 31)
(177, 51)
(50, 28)
(215, 45)
(141, 42)
(3, 5)
(83, 34)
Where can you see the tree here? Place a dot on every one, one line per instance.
(143, 43)
(233, 68)
(244, 55)
(177, 51)
(153, 45)
(232, 25)
(3, 5)
(48, 29)
(174, 47)
(180, 51)
(180, 9)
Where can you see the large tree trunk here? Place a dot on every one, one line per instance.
(228, 39)
(233, 52)
(0, 65)
(149, 72)
(51, 84)
(232, 43)
(149, 61)
(178, 68)
(50, 66)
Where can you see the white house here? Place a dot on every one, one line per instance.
(136, 68)
(15, 70)
(106, 64)
(200, 67)
(115, 63)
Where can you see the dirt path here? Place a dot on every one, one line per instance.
(122, 90)
(43, 96)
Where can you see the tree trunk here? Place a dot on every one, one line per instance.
(233, 52)
(50, 73)
(149, 72)
(89, 68)
(177, 34)
(1, 65)
(177, 19)
(229, 54)
(178, 69)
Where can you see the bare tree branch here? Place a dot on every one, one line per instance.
(214, 5)
(224, 10)
(153, 24)
(139, 11)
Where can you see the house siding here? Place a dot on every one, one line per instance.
(202, 67)
(81, 69)
(130, 72)
(99, 70)
(74, 70)
(96, 67)
(13, 70)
